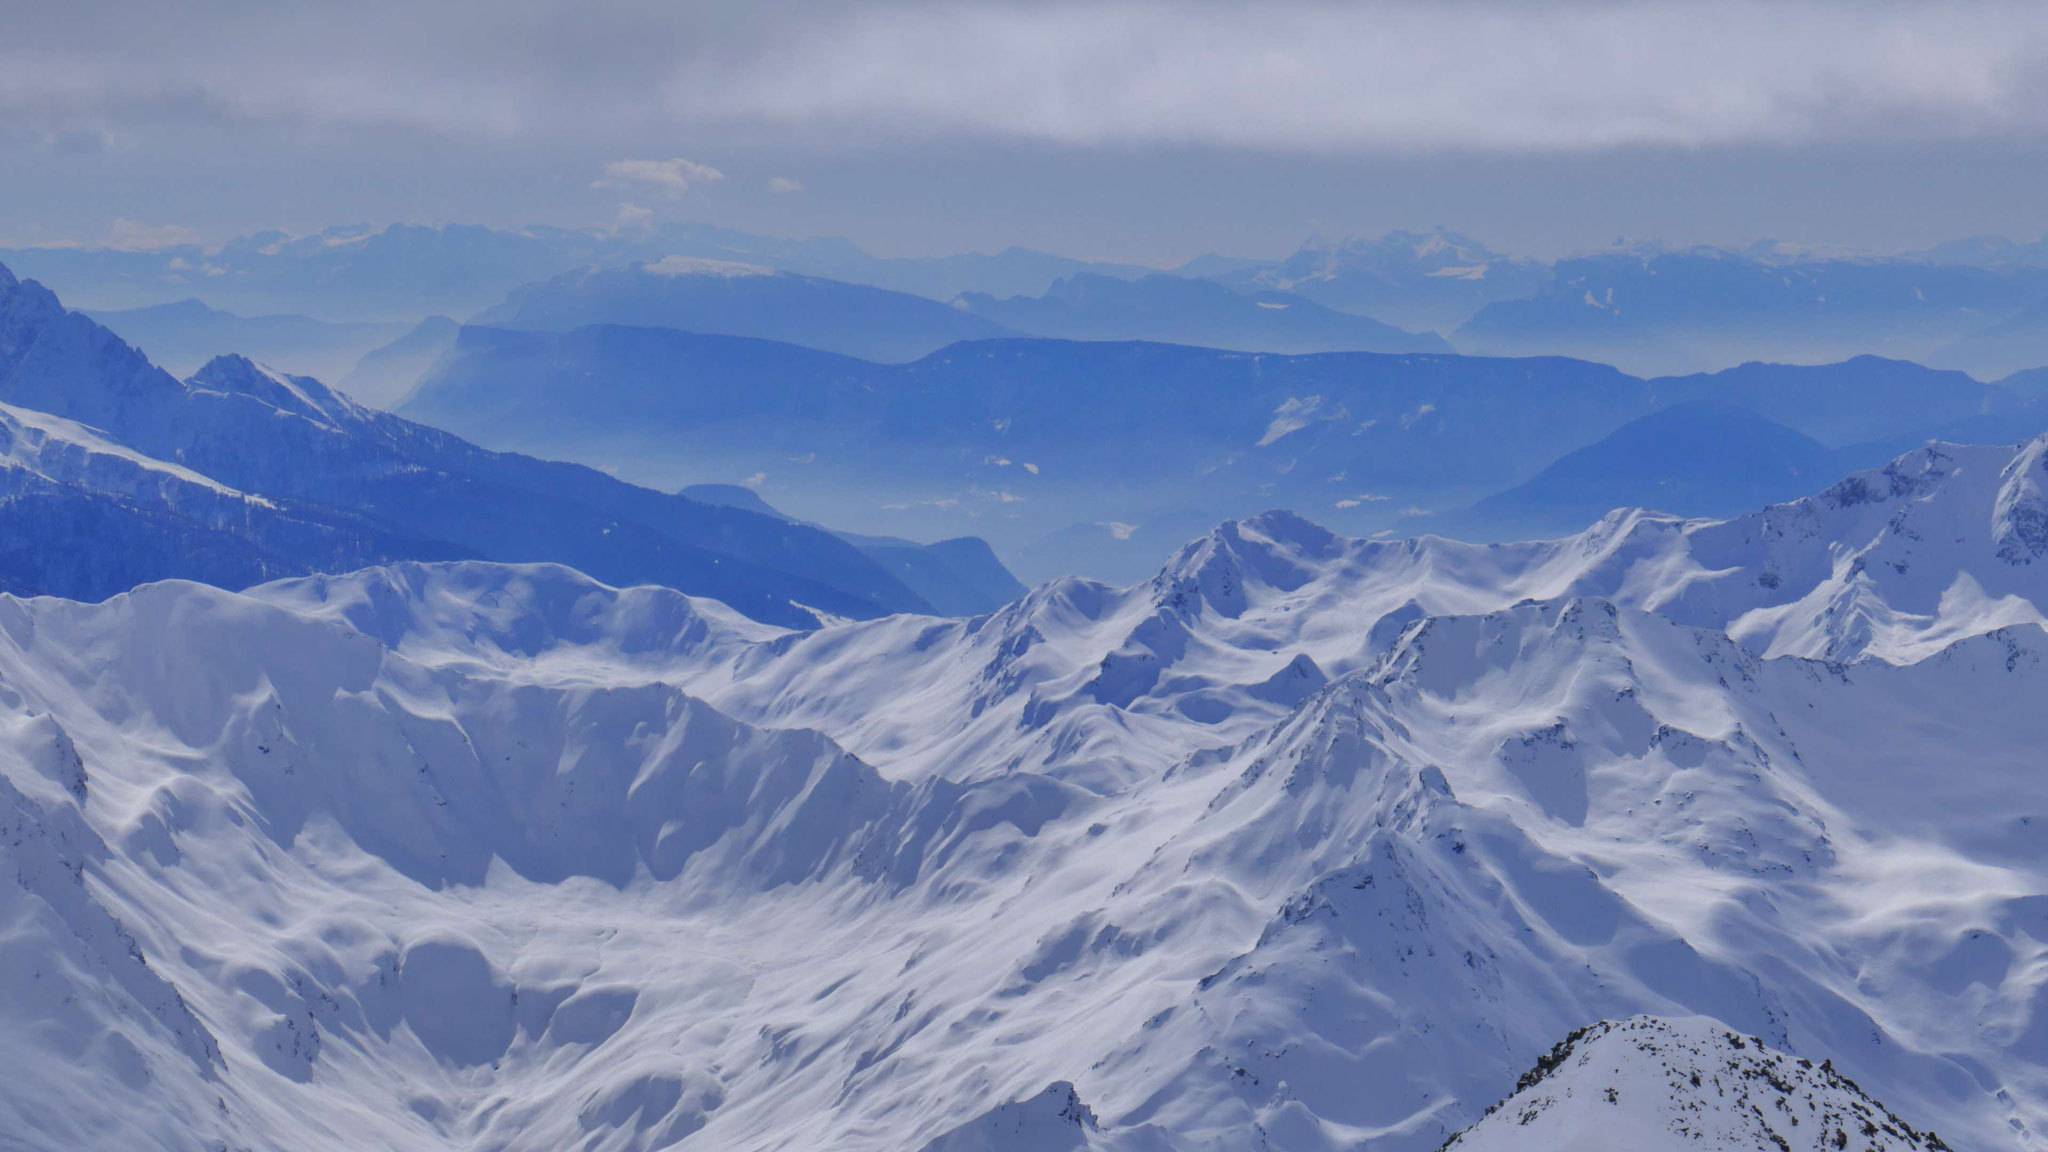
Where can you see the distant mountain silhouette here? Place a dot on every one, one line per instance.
(186, 334)
(1176, 310)
(1699, 458)
(385, 376)
(1040, 446)
(2015, 344)
(359, 272)
(1676, 311)
(743, 300)
(958, 577)
(1427, 281)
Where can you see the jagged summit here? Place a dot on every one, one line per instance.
(417, 836)
(1651, 1085)
(63, 363)
(1273, 552)
(298, 395)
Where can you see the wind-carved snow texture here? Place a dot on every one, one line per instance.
(1309, 843)
(1647, 1085)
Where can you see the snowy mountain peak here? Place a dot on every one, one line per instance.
(1242, 560)
(1647, 1085)
(236, 374)
(63, 363)
(501, 614)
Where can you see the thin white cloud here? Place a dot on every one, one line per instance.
(671, 177)
(783, 185)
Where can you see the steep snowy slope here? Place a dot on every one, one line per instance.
(81, 513)
(497, 890)
(1646, 1085)
(1309, 843)
(1098, 684)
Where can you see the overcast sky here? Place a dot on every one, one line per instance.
(1115, 128)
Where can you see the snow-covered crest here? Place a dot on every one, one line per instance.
(492, 798)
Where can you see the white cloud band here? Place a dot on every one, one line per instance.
(1396, 76)
(1287, 75)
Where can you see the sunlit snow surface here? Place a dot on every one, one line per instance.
(1309, 843)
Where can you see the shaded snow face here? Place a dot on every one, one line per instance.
(1309, 841)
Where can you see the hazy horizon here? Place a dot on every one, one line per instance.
(1129, 131)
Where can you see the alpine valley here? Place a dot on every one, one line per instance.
(361, 788)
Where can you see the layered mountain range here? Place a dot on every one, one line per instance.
(1307, 842)
(1094, 456)
(1975, 305)
(120, 473)
(365, 787)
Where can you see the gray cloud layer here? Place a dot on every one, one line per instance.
(1283, 75)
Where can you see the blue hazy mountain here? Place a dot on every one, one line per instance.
(1676, 311)
(1086, 456)
(1864, 399)
(1081, 412)
(384, 376)
(1180, 310)
(958, 577)
(265, 441)
(1697, 458)
(1986, 252)
(1422, 281)
(183, 335)
(2031, 384)
(2014, 344)
(723, 298)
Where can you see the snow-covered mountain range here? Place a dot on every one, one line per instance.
(1306, 843)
